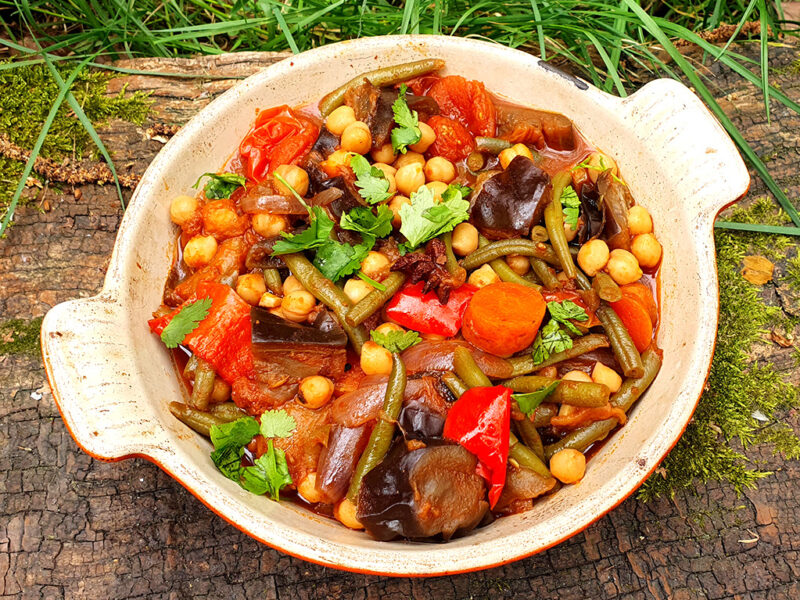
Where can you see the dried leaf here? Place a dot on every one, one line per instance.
(757, 270)
(781, 340)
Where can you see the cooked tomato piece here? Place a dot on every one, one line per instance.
(467, 102)
(453, 140)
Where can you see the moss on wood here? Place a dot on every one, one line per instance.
(19, 336)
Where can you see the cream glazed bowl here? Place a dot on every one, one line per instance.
(112, 379)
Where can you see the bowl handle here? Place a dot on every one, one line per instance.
(87, 360)
(698, 156)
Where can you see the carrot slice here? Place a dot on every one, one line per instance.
(503, 318)
(636, 319)
(643, 294)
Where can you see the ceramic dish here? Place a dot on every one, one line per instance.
(112, 379)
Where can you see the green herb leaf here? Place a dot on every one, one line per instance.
(407, 132)
(364, 221)
(571, 205)
(550, 340)
(396, 341)
(376, 284)
(277, 423)
(221, 185)
(269, 473)
(424, 219)
(237, 433)
(529, 402)
(370, 181)
(318, 233)
(336, 260)
(564, 311)
(185, 322)
(228, 459)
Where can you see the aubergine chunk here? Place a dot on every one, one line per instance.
(522, 486)
(512, 202)
(537, 127)
(422, 493)
(617, 200)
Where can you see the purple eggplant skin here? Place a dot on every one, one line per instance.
(422, 493)
(269, 331)
(337, 461)
(593, 219)
(617, 200)
(512, 202)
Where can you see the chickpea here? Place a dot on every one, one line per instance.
(568, 466)
(438, 188)
(389, 172)
(221, 391)
(394, 205)
(483, 276)
(576, 375)
(356, 289)
(345, 513)
(519, 264)
(375, 265)
(639, 220)
(295, 177)
(409, 178)
(647, 250)
(182, 209)
(269, 226)
(251, 287)
(607, 376)
(375, 359)
(427, 137)
(509, 154)
(221, 218)
(337, 162)
(599, 163)
(593, 256)
(315, 391)
(623, 267)
(307, 488)
(570, 232)
(384, 154)
(357, 138)
(465, 239)
(269, 300)
(389, 327)
(296, 305)
(199, 251)
(339, 119)
(292, 284)
(440, 169)
(409, 158)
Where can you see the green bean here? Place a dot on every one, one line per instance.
(200, 421)
(468, 370)
(544, 412)
(523, 364)
(191, 367)
(574, 393)
(451, 263)
(506, 273)
(539, 234)
(454, 384)
(621, 343)
(554, 221)
(606, 287)
(491, 145)
(381, 437)
(475, 161)
(530, 436)
(582, 438)
(379, 77)
(501, 248)
(273, 280)
(631, 389)
(525, 457)
(203, 386)
(326, 292)
(543, 272)
(372, 302)
(227, 411)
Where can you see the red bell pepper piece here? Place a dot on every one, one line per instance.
(222, 339)
(424, 313)
(480, 420)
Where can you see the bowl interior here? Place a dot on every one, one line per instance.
(688, 285)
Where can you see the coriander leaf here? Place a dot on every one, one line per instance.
(272, 470)
(564, 311)
(371, 182)
(254, 479)
(456, 191)
(551, 339)
(530, 401)
(363, 220)
(396, 341)
(237, 433)
(336, 260)
(318, 233)
(571, 206)
(221, 185)
(407, 131)
(424, 219)
(185, 322)
(228, 460)
(277, 423)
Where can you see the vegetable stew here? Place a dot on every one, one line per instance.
(413, 307)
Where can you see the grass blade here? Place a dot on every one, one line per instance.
(764, 55)
(539, 29)
(756, 228)
(736, 31)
